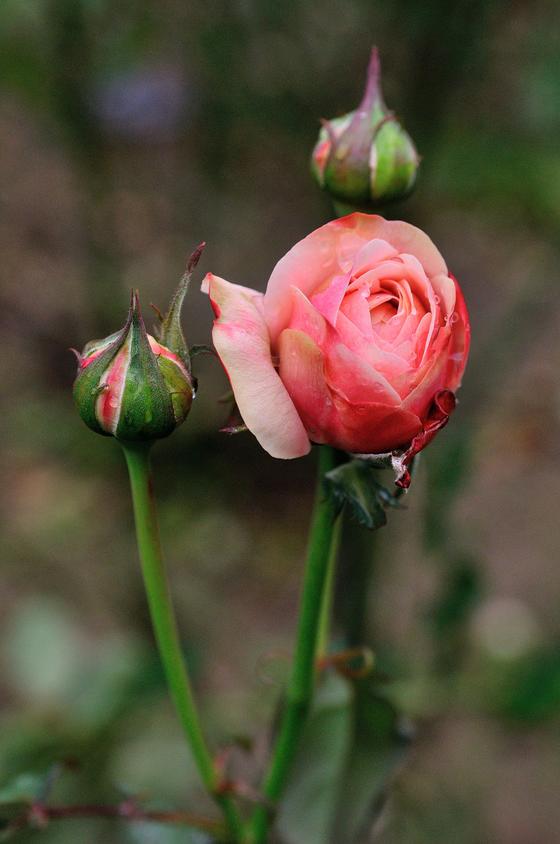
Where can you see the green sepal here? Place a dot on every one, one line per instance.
(394, 174)
(179, 388)
(146, 405)
(353, 485)
(95, 345)
(170, 332)
(87, 384)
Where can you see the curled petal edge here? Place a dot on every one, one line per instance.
(400, 461)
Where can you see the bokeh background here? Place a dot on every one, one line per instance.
(130, 132)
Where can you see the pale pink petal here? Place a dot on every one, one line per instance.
(306, 318)
(404, 237)
(445, 289)
(357, 308)
(301, 370)
(328, 301)
(241, 339)
(305, 266)
(109, 402)
(371, 350)
(352, 378)
(392, 270)
(371, 254)
(430, 378)
(460, 341)
(328, 416)
(331, 249)
(324, 253)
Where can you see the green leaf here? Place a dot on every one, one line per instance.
(351, 747)
(528, 689)
(306, 811)
(354, 485)
(378, 747)
(461, 592)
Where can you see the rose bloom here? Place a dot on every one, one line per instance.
(360, 341)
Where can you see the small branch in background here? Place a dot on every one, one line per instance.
(38, 816)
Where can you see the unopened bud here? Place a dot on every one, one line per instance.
(133, 386)
(365, 158)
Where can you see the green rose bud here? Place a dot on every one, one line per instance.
(365, 158)
(133, 386)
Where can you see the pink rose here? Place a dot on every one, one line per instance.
(360, 340)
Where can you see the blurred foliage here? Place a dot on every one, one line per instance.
(132, 132)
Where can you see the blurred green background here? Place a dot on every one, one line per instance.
(130, 132)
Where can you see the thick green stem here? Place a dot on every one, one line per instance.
(300, 688)
(165, 626)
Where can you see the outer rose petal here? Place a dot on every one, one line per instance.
(460, 341)
(241, 339)
(404, 237)
(371, 428)
(366, 426)
(302, 371)
(324, 252)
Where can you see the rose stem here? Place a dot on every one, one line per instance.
(165, 625)
(301, 684)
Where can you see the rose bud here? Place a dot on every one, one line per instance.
(130, 386)
(359, 342)
(366, 158)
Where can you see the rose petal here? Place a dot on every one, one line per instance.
(328, 301)
(442, 407)
(242, 342)
(357, 308)
(431, 377)
(306, 318)
(307, 265)
(460, 341)
(371, 350)
(404, 237)
(334, 247)
(445, 289)
(372, 428)
(372, 253)
(301, 370)
(356, 381)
